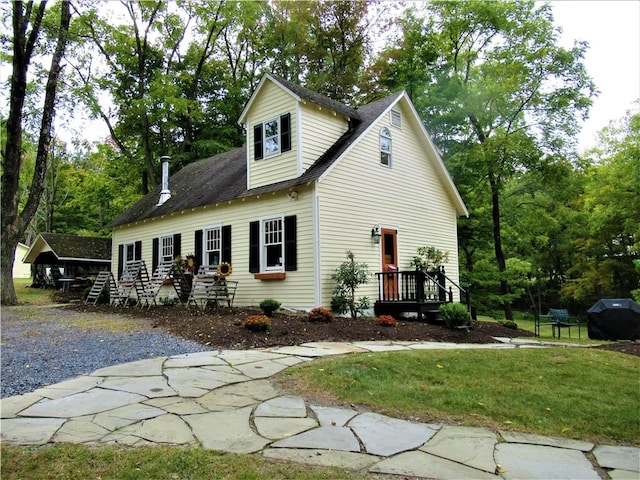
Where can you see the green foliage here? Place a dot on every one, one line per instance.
(455, 315)
(348, 277)
(320, 315)
(510, 324)
(429, 258)
(270, 303)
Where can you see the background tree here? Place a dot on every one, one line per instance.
(29, 32)
(610, 213)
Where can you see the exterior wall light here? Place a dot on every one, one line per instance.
(375, 234)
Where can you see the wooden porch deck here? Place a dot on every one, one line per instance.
(415, 291)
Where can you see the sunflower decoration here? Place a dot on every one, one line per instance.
(224, 269)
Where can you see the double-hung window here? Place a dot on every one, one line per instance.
(273, 246)
(129, 253)
(385, 147)
(272, 137)
(212, 246)
(166, 249)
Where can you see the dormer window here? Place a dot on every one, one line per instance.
(385, 147)
(272, 137)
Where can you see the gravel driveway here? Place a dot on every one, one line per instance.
(44, 345)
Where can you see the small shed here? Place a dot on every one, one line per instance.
(76, 255)
(21, 269)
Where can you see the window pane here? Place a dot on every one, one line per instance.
(274, 255)
(271, 146)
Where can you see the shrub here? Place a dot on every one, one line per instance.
(349, 276)
(455, 315)
(320, 315)
(510, 324)
(258, 323)
(386, 321)
(269, 305)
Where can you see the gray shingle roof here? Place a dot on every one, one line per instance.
(224, 177)
(71, 247)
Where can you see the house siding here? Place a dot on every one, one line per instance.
(409, 196)
(296, 290)
(272, 103)
(321, 128)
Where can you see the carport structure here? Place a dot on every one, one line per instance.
(78, 256)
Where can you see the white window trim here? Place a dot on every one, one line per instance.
(390, 152)
(125, 247)
(204, 242)
(277, 136)
(398, 115)
(161, 255)
(263, 247)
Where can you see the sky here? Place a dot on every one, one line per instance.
(612, 29)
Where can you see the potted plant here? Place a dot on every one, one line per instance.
(269, 305)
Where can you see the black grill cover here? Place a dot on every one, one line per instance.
(614, 319)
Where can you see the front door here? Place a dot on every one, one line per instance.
(390, 264)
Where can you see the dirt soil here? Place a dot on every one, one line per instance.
(224, 328)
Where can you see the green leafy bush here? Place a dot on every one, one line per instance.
(510, 324)
(320, 315)
(455, 315)
(269, 305)
(349, 276)
(258, 323)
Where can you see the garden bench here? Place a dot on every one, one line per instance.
(557, 318)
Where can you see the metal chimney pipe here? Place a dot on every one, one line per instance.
(165, 193)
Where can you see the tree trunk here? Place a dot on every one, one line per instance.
(497, 244)
(14, 223)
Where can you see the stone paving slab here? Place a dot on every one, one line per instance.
(68, 387)
(81, 430)
(333, 416)
(470, 446)
(424, 465)
(524, 462)
(533, 439)
(83, 403)
(323, 458)
(623, 475)
(30, 431)
(152, 366)
(324, 438)
(385, 436)
(127, 415)
(621, 458)
(284, 406)
(12, 406)
(278, 428)
(227, 431)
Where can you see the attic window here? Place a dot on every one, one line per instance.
(385, 147)
(396, 119)
(272, 137)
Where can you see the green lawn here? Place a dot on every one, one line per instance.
(567, 392)
(71, 462)
(31, 296)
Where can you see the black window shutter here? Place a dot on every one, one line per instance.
(137, 250)
(254, 247)
(155, 252)
(290, 247)
(285, 133)
(257, 142)
(198, 250)
(226, 244)
(177, 245)
(120, 260)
